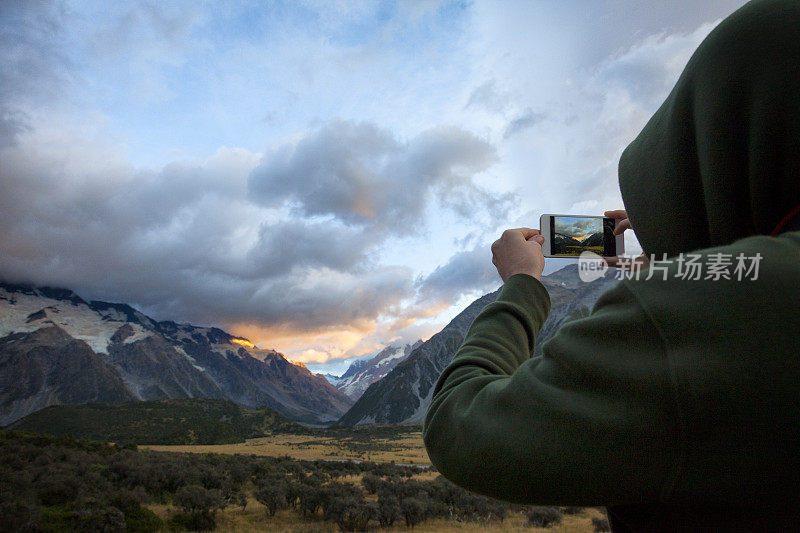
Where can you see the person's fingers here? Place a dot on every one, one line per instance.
(616, 213)
(622, 226)
(527, 233)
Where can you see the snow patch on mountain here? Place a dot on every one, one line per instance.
(364, 372)
(24, 313)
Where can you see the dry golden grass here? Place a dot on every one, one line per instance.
(408, 449)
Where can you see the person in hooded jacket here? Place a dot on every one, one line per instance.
(676, 402)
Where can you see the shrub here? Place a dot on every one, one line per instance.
(371, 483)
(543, 516)
(100, 520)
(57, 520)
(142, 520)
(356, 515)
(310, 499)
(19, 516)
(388, 510)
(413, 510)
(273, 497)
(200, 504)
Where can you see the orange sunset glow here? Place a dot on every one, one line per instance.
(243, 342)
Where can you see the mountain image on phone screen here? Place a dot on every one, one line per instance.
(573, 235)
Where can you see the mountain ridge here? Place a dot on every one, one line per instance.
(116, 344)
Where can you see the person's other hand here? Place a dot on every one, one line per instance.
(624, 223)
(519, 251)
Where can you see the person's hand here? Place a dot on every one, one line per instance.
(519, 251)
(624, 223)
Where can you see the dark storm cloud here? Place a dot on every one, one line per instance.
(465, 272)
(187, 241)
(292, 244)
(363, 175)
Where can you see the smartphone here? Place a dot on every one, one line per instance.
(570, 235)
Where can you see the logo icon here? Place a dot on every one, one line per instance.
(591, 266)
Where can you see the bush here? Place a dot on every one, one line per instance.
(543, 516)
(371, 483)
(388, 510)
(200, 505)
(142, 520)
(100, 520)
(413, 510)
(310, 499)
(272, 497)
(19, 516)
(57, 520)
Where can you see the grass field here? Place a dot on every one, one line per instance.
(406, 447)
(403, 447)
(563, 249)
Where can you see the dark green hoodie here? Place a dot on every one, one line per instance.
(676, 402)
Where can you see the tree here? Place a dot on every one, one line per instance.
(356, 515)
(273, 497)
(371, 482)
(388, 510)
(241, 500)
(200, 504)
(310, 499)
(413, 510)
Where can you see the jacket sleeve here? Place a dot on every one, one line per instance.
(593, 421)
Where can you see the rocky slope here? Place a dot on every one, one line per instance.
(404, 394)
(56, 348)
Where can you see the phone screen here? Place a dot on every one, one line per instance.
(569, 236)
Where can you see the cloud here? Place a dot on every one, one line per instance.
(488, 97)
(466, 272)
(363, 175)
(275, 242)
(525, 120)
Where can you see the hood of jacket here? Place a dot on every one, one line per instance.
(720, 159)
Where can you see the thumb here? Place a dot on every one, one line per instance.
(539, 239)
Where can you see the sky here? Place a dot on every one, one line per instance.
(578, 228)
(321, 177)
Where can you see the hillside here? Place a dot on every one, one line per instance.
(179, 421)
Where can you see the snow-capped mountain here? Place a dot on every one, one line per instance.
(364, 372)
(333, 380)
(403, 396)
(56, 348)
